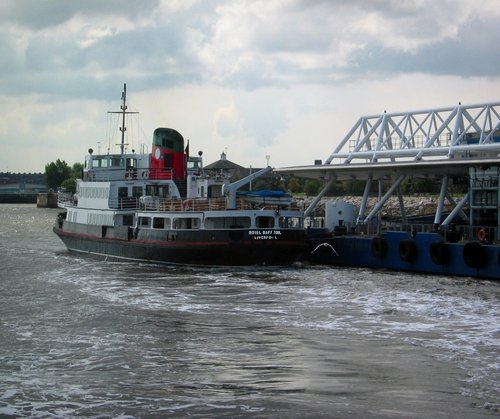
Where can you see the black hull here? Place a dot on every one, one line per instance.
(205, 248)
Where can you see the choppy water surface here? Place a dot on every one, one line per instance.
(80, 337)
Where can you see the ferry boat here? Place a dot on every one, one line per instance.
(164, 207)
(457, 147)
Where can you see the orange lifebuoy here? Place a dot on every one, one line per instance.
(481, 235)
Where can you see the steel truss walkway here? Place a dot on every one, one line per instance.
(435, 143)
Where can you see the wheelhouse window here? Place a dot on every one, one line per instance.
(161, 191)
(131, 163)
(186, 223)
(136, 191)
(144, 221)
(290, 222)
(158, 222)
(161, 222)
(194, 163)
(264, 222)
(227, 222)
(123, 192)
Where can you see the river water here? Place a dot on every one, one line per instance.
(87, 338)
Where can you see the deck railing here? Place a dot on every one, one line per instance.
(452, 234)
(120, 173)
(65, 198)
(152, 203)
(455, 233)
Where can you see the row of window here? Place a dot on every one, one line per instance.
(190, 223)
(111, 161)
(213, 223)
(161, 191)
(486, 198)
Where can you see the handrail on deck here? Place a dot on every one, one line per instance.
(152, 203)
(464, 232)
(121, 173)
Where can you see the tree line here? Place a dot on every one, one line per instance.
(59, 174)
(409, 186)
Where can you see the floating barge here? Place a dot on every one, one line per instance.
(455, 146)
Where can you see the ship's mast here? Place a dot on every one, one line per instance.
(123, 112)
(123, 128)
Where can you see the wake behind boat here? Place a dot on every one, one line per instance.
(164, 207)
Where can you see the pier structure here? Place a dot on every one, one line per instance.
(447, 144)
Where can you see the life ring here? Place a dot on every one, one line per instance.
(145, 174)
(474, 255)
(481, 235)
(440, 253)
(407, 250)
(379, 247)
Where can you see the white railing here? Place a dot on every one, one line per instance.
(113, 174)
(65, 199)
(153, 203)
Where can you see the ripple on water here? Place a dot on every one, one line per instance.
(82, 337)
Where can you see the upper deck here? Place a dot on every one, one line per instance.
(117, 167)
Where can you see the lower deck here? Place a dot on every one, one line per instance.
(224, 247)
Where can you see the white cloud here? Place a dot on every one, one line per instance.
(227, 122)
(255, 77)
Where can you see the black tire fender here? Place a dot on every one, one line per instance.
(440, 253)
(474, 254)
(379, 247)
(407, 250)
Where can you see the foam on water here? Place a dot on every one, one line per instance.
(82, 337)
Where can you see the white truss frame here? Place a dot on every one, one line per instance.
(456, 133)
(414, 135)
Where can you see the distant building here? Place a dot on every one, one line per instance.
(22, 183)
(8, 177)
(225, 167)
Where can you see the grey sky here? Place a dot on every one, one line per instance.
(251, 66)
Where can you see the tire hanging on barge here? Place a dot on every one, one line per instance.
(474, 255)
(440, 253)
(407, 250)
(379, 247)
